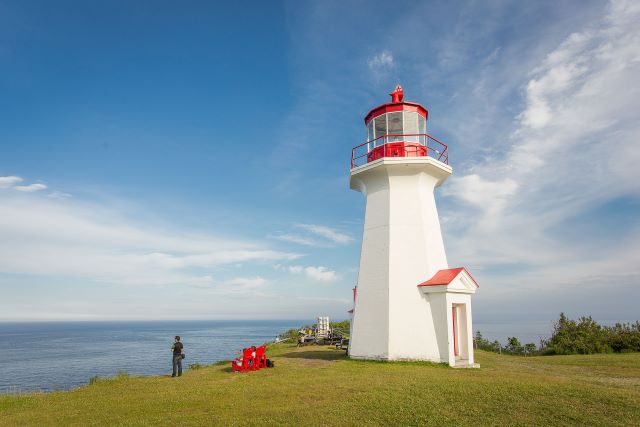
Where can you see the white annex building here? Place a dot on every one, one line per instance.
(408, 303)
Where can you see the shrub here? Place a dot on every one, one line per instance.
(586, 336)
(290, 335)
(624, 338)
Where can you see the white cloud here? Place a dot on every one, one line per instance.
(487, 195)
(12, 181)
(317, 274)
(9, 181)
(321, 274)
(31, 188)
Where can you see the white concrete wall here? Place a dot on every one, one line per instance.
(401, 247)
(370, 328)
(441, 319)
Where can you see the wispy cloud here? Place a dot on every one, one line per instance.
(381, 64)
(381, 61)
(573, 151)
(254, 285)
(317, 235)
(327, 233)
(44, 236)
(296, 238)
(59, 195)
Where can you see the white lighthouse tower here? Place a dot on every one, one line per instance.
(409, 305)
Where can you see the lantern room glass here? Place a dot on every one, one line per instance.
(380, 129)
(410, 126)
(386, 128)
(422, 129)
(394, 126)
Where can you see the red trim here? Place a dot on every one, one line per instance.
(444, 277)
(455, 330)
(391, 107)
(397, 95)
(382, 147)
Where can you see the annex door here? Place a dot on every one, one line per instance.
(454, 318)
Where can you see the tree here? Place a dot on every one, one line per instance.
(529, 348)
(513, 345)
(481, 343)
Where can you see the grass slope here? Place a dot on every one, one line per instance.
(319, 386)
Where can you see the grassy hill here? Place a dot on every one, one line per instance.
(319, 386)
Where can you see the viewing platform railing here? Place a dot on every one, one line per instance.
(399, 145)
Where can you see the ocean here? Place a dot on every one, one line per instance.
(64, 355)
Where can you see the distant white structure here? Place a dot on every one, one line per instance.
(323, 328)
(408, 304)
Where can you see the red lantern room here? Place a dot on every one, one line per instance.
(398, 129)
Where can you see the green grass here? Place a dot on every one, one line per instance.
(319, 386)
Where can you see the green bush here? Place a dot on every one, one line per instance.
(343, 327)
(586, 336)
(513, 345)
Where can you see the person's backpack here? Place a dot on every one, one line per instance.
(270, 363)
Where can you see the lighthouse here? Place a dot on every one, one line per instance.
(408, 303)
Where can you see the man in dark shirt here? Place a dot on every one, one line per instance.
(176, 349)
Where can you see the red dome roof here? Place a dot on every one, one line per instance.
(396, 104)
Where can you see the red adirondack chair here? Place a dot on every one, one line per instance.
(245, 363)
(261, 358)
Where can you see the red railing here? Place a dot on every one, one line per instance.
(399, 145)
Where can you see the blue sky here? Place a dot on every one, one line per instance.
(184, 161)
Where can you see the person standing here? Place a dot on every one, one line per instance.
(177, 349)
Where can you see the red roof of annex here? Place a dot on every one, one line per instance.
(444, 277)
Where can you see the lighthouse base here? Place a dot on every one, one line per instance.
(434, 325)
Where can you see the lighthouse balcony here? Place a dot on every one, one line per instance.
(399, 145)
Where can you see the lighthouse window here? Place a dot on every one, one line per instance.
(422, 129)
(370, 131)
(395, 125)
(411, 126)
(380, 125)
